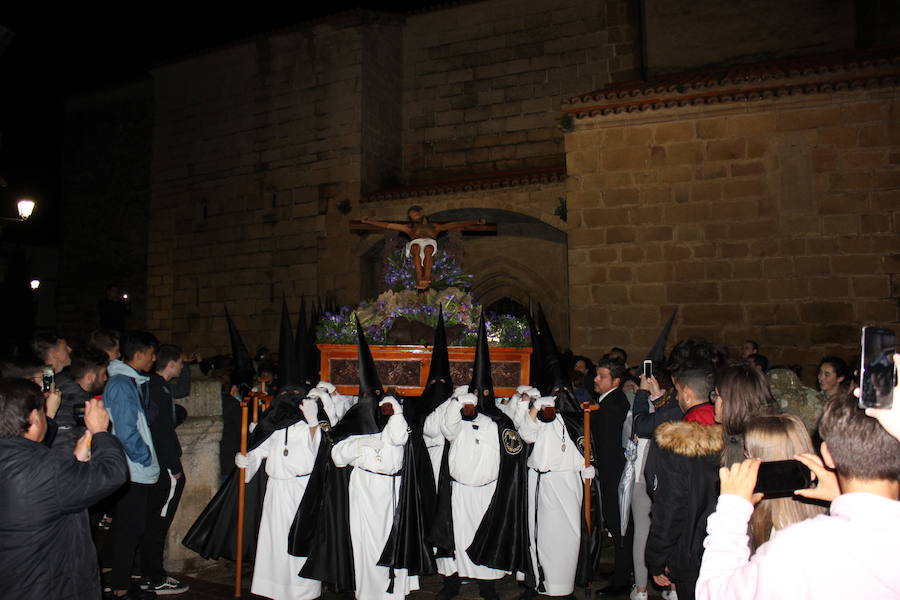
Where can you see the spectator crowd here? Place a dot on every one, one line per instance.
(91, 476)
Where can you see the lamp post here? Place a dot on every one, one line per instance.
(25, 207)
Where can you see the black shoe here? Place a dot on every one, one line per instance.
(487, 590)
(450, 588)
(528, 594)
(612, 590)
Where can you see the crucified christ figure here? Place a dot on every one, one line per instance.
(423, 235)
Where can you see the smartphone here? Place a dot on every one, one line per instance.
(782, 477)
(47, 379)
(877, 376)
(648, 369)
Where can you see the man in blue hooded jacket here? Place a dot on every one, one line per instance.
(126, 397)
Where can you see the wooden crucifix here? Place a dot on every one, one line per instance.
(423, 234)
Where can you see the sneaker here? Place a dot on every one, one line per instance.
(636, 595)
(670, 595)
(168, 587)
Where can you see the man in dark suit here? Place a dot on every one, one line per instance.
(609, 458)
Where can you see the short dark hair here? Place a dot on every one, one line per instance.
(616, 367)
(105, 339)
(20, 367)
(753, 343)
(42, 343)
(760, 361)
(693, 355)
(137, 341)
(745, 394)
(620, 351)
(86, 359)
(167, 353)
(860, 446)
(18, 398)
(414, 207)
(701, 379)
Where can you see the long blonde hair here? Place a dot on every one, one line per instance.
(777, 437)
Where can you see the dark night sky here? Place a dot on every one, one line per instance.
(56, 53)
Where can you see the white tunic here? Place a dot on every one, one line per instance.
(554, 506)
(474, 466)
(275, 571)
(374, 492)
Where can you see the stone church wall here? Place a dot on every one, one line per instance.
(483, 82)
(774, 220)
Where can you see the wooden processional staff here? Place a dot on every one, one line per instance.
(254, 398)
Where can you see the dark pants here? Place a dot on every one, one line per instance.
(154, 540)
(129, 523)
(624, 561)
(686, 588)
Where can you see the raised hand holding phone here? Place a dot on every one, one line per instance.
(740, 480)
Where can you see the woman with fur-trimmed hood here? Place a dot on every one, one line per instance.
(686, 480)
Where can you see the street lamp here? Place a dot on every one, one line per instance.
(35, 284)
(25, 207)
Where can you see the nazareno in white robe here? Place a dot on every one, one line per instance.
(374, 492)
(474, 466)
(275, 571)
(554, 506)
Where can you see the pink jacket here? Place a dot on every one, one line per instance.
(852, 553)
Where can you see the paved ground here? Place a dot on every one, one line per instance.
(217, 581)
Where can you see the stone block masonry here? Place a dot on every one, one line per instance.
(493, 74)
(775, 220)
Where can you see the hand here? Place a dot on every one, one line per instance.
(53, 399)
(327, 386)
(398, 410)
(588, 472)
(310, 411)
(888, 417)
(661, 580)
(242, 461)
(828, 488)
(740, 480)
(650, 384)
(82, 450)
(96, 419)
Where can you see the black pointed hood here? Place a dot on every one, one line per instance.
(536, 362)
(658, 352)
(304, 348)
(288, 368)
(439, 385)
(365, 416)
(482, 384)
(243, 372)
(555, 379)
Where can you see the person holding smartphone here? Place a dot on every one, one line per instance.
(858, 472)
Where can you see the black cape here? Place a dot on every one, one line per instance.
(501, 540)
(214, 534)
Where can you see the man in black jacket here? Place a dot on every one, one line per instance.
(45, 541)
(166, 494)
(82, 380)
(606, 445)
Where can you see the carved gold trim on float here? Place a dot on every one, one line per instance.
(406, 367)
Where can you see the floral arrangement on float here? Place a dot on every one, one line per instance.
(403, 315)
